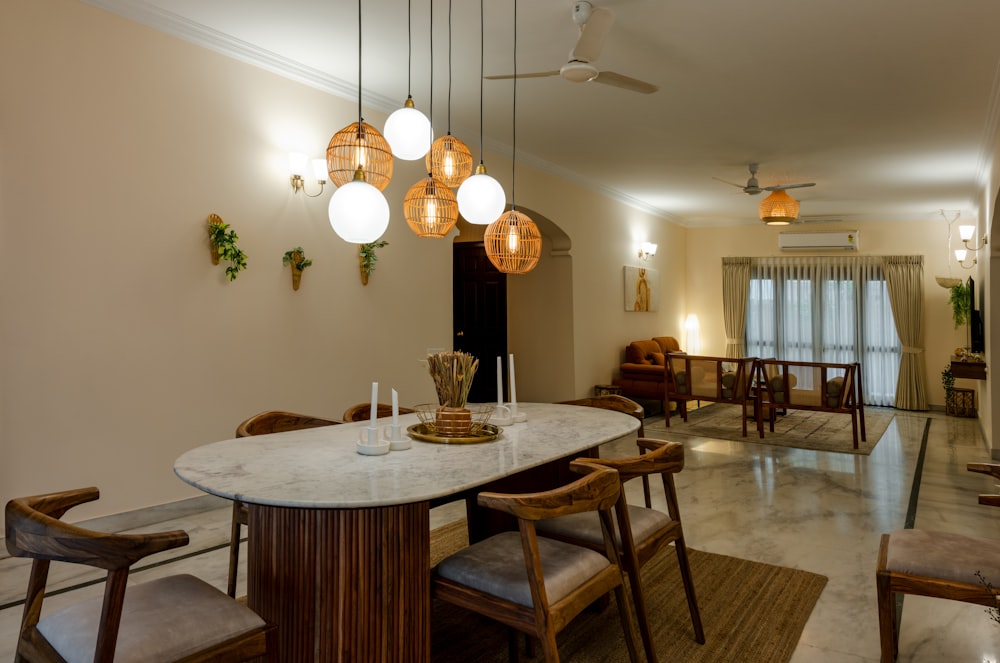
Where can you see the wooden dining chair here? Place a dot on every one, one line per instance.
(271, 421)
(935, 564)
(537, 585)
(363, 411)
(171, 619)
(648, 530)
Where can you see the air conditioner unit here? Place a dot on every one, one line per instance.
(846, 240)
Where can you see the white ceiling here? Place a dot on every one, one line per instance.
(890, 106)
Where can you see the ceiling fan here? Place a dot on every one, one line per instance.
(594, 23)
(753, 187)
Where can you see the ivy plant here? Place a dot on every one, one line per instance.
(368, 257)
(224, 242)
(960, 304)
(296, 257)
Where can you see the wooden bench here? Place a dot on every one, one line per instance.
(805, 385)
(713, 379)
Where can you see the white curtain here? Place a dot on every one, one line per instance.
(826, 309)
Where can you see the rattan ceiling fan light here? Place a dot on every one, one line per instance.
(513, 243)
(359, 144)
(430, 208)
(779, 209)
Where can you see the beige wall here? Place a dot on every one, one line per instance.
(707, 246)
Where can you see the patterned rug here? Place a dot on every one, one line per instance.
(803, 429)
(751, 613)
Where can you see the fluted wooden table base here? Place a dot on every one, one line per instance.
(343, 585)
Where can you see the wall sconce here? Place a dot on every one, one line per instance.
(966, 233)
(298, 166)
(962, 254)
(647, 250)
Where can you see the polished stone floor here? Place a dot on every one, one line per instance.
(822, 512)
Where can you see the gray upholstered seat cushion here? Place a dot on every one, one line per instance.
(496, 566)
(163, 620)
(587, 526)
(945, 556)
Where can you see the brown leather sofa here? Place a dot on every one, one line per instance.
(644, 373)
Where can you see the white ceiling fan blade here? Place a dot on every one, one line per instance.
(625, 82)
(592, 35)
(537, 74)
(782, 187)
(738, 186)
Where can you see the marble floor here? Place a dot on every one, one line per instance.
(822, 512)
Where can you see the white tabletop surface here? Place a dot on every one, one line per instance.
(320, 467)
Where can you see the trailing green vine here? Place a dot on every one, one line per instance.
(297, 258)
(224, 246)
(368, 257)
(960, 304)
(948, 382)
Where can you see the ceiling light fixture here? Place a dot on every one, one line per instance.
(449, 159)
(481, 199)
(779, 209)
(407, 130)
(647, 250)
(513, 242)
(358, 211)
(430, 206)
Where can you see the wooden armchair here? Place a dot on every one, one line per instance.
(272, 421)
(935, 564)
(713, 379)
(649, 530)
(175, 618)
(535, 584)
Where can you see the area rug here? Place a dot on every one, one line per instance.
(803, 429)
(751, 613)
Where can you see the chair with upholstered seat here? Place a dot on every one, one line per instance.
(271, 421)
(935, 564)
(534, 584)
(650, 530)
(363, 411)
(171, 619)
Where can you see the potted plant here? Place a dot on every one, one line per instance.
(453, 373)
(367, 257)
(948, 382)
(960, 304)
(223, 245)
(297, 259)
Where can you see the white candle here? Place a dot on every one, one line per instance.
(499, 380)
(374, 412)
(395, 409)
(513, 389)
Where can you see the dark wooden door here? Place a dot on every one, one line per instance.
(480, 316)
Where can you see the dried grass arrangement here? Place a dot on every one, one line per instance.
(452, 373)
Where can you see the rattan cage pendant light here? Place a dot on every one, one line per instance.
(513, 243)
(449, 159)
(779, 209)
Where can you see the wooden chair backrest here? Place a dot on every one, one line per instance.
(612, 402)
(816, 395)
(276, 421)
(596, 491)
(715, 367)
(362, 411)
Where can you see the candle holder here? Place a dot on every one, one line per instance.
(394, 437)
(516, 415)
(370, 443)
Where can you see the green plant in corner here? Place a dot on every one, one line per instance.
(368, 258)
(948, 382)
(296, 258)
(223, 242)
(960, 304)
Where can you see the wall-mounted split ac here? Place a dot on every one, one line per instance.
(845, 240)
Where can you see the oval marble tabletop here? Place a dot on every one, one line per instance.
(320, 467)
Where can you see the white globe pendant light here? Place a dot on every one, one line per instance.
(359, 213)
(408, 132)
(481, 199)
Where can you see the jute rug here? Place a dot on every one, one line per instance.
(804, 429)
(751, 613)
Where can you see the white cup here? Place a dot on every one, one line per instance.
(502, 415)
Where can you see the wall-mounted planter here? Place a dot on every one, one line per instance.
(222, 243)
(296, 259)
(367, 258)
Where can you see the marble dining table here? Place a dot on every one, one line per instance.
(339, 542)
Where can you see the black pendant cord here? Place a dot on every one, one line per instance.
(430, 127)
(482, 38)
(449, 67)
(359, 67)
(513, 140)
(409, 48)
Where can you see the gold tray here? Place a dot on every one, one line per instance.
(422, 432)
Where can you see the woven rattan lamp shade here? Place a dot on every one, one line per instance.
(513, 243)
(449, 160)
(359, 144)
(430, 208)
(779, 209)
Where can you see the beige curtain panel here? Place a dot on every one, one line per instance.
(735, 286)
(904, 277)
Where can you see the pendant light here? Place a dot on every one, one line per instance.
(358, 211)
(779, 209)
(513, 242)
(449, 159)
(430, 207)
(407, 130)
(481, 199)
